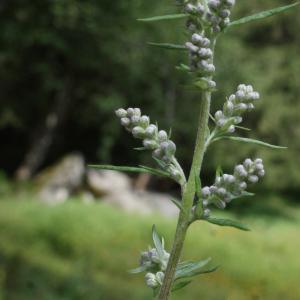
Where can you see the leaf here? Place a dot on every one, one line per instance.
(243, 194)
(141, 169)
(157, 243)
(177, 203)
(140, 148)
(219, 171)
(137, 270)
(180, 285)
(168, 46)
(227, 222)
(251, 141)
(183, 67)
(242, 128)
(190, 269)
(164, 18)
(262, 15)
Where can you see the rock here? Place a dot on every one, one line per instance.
(106, 182)
(143, 202)
(60, 181)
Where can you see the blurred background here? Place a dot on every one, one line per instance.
(69, 232)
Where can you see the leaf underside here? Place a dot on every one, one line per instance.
(262, 15)
(157, 243)
(227, 223)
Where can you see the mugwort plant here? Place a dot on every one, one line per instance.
(206, 20)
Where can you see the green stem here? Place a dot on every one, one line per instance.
(188, 192)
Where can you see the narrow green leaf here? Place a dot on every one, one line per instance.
(219, 171)
(251, 141)
(138, 270)
(168, 46)
(180, 285)
(157, 243)
(227, 222)
(155, 171)
(242, 128)
(262, 15)
(164, 18)
(191, 268)
(131, 169)
(140, 148)
(243, 194)
(183, 67)
(177, 203)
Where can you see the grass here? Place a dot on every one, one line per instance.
(77, 251)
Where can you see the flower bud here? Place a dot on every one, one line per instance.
(130, 112)
(160, 277)
(231, 129)
(138, 132)
(125, 122)
(206, 212)
(253, 179)
(150, 144)
(243, 185)
(151, 280)
(205, 192)
(192, 47)
(224, 13)
(135, 120)
(151, 130)
(144, 121)
(220, 204)
(219, 115)
(261, 173)
(240, 171)
(157, 153)
(197, 38)
(162, 136)
(121, 113)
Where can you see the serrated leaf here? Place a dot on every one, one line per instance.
(251, 141)
(141, 169)
(180, 285)
(191, 269)
(164, 18)
(177, 203)
(168, 46)
(262, 15)
(138, 270)
(157, 243)
(227, 223)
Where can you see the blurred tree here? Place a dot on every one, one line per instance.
(66, 65)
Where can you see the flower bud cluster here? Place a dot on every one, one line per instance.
(155, 266)
(153, 139)
(228, 187)
(219, 13)
(238, 103)
(200, 56)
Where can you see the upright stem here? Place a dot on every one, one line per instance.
(188, 192)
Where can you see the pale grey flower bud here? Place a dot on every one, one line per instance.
(231, 129)
(238, 120)
(248, 163)
(200, 9)
(242, 87)
(240, 171)
(249, 89)
(137, 112)
(125, 122)
(206, 212)
(261, 173)
(150, 144)
(138, 132)
(130, 112)
(213, 189)
(214, 4)
(243, 185)
(144, 121)
(229, 3)
(151, 130)
(229, 179)
(169, 148)
(197, 38)
(240, 94)
(135, 120)
(151, 280)
(192, 47)
(253, 179)
(219, 115)
(205, 192)
(162, 136)
(221, 192)
(212, 84)
(205, 43)
(121, 113)
(158, 153)
(224, 13)
(160, 277)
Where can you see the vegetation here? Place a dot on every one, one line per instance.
(68, 252)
